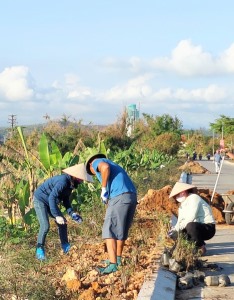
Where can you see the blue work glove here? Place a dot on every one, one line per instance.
(75, 217)
(104, 195)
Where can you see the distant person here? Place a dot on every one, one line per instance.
(47, 198)
(208, 156)
(217, 161)
(200, 156)
(120, 196)
(195, 218)
(194, 155)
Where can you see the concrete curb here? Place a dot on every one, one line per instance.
(160, 286)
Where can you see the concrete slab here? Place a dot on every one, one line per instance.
(160, 286)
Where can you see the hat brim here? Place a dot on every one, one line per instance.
(78, 171)
(90, 159)
(180, 187)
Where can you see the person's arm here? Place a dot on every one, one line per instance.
(104, 169)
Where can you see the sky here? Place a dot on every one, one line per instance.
(88, 60)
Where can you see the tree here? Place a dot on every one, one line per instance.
(164, 123)
(223, 125)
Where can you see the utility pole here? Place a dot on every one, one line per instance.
(12, 121)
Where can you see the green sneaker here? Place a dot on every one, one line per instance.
(119, 261)
(111, 268)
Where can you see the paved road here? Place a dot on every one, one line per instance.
(221, 246)
(225, 181)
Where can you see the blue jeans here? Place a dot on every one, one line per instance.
(43, 213)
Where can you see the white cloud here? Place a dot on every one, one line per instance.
(16, 84)
(134, 89)
(187, 60)
(133, 64)
(210, 94)
(72, 89)
(191, 60)
(227, 59)
(161, 89)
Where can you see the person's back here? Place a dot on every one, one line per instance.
(217, 157)
(119, 182)
(57, 187)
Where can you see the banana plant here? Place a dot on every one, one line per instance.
(22, 194)
(51, 159)
(28, 164)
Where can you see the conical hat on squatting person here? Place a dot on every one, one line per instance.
(180, 187)
(78, 171)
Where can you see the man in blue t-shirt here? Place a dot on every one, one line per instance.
(120, 196)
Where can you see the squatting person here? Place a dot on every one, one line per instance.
(195, 218)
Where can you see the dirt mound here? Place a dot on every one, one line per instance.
(194, 168)
(159, 200)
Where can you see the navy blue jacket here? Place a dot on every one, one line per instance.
(53, 191)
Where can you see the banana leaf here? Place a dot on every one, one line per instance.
(44, 153)
(29, 216)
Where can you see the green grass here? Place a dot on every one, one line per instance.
(23, 277)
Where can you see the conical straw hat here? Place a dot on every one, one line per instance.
(180, 187)
(79, 172)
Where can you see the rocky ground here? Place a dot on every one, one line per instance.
(76, 271)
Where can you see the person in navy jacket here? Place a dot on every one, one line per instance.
(47, 198)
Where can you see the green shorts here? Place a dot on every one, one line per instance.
(119, 216)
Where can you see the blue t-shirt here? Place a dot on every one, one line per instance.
(53, 191)
(119, 182)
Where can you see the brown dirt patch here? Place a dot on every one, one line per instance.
(76, 271)
(194, 167)
(159, 201)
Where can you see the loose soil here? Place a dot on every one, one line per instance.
(76, 271)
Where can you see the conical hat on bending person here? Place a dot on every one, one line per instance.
(79, 171)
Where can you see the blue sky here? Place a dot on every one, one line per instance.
(88, 60)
